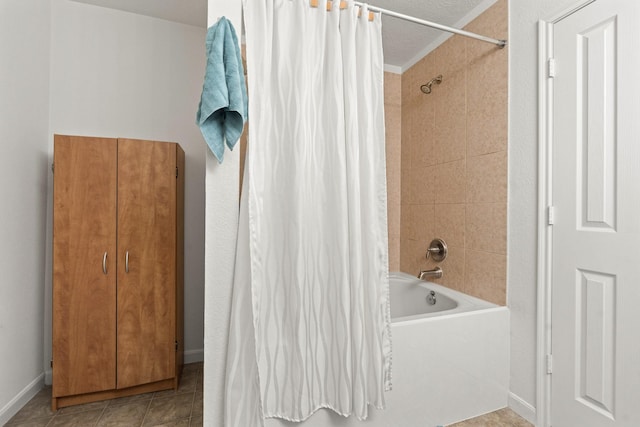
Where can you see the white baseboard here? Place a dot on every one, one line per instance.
(193, 356)
(21, 399)
(522, 408)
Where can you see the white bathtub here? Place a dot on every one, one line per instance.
(448, 365)
(409, 299)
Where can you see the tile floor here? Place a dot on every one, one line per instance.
(502, 418)
(169, 409)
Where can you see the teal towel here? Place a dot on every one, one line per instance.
(223, 107)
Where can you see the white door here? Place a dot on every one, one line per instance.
(596, 236)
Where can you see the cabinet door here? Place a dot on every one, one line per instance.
(84, 265)
(146, 261)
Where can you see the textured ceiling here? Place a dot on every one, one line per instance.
(404, 42)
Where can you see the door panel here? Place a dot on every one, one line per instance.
(84, 297)
(147, 232)
(596, 192)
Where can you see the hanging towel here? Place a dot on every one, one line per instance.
(223, 107)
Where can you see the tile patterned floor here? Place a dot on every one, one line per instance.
(502, 418)
(169, 408)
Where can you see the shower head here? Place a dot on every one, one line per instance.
(426, 88)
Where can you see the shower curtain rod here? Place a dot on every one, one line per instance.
(497, 42)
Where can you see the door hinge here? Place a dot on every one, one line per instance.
(53, 168)
(176, 172)
(551, 215)
(176, 345)
(549, 364)
(551, 68)
(51, 363)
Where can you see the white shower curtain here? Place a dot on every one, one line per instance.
(310, 324)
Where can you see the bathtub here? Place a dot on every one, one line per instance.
(410, 299)
(450, 359)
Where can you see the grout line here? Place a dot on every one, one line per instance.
(55, 414)
(147, 411)
(101, 414)
(193, 400)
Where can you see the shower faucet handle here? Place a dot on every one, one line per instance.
(437, 250)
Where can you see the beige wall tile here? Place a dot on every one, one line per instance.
(412, 256)
(393, 137)
(450, 124)
(485, 276)
(394, 253)
(393, 198)
(417, 126)
(452, 269)
(419, 134)
(449, 224)
(420, 184)
(487, 178)
(405, 160)
(416, 76)
(487, 83)
(450, 181)
(487, 101)
(450, 57)
(393, 220)
(392, 89)
(393, 128)
(394, 168)
(393, 190)
(486, 227)
(417, 222)
(454, 160)
(405, 186)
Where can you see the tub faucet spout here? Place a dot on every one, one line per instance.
(435, 273)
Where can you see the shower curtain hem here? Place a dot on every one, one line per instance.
(323, 406)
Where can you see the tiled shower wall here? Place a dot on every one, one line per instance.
(454, 161)
(393, 129)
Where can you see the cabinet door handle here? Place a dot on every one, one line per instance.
(104, 263)
(126, 262)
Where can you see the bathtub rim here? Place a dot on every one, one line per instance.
(467, 304)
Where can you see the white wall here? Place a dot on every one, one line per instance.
(78, 69)
(24, 120)
(523, 193)
(118, 74)
(221, 230)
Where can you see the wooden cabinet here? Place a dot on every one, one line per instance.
(118, 269)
